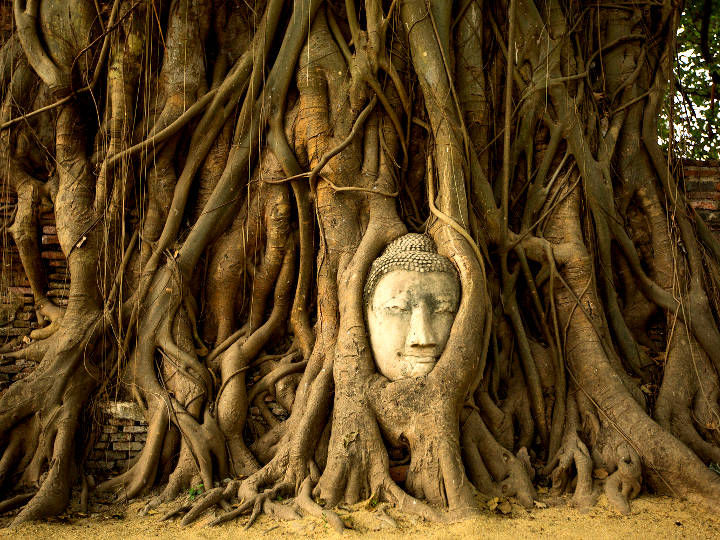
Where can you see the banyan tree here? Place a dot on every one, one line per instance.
(233, 182)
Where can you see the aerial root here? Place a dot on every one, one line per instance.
(254, 502)
(194, 509)
(624, 484)
(409, 504)
(186, 362)
(47, 310)
(266, 502)
(492, 468)
(572, 452)
(14, 502)
(305, 502)
(34, 351)
(386, 518)
(255, 505)
(185, 507)
(210, 499)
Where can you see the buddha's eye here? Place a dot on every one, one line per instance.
(396, 308)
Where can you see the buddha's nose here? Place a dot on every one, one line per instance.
(421, 332)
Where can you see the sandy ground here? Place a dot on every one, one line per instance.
(651, 517)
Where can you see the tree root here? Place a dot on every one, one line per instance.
(624, 484)
(572, 452)
(494, 470)
(48, 311)
(310, 507)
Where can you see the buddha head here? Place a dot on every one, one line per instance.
(411, 296)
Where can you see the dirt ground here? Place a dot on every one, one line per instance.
(651, 517)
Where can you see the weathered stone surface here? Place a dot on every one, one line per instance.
(110, 454)
(128, 446)
(123, 409)
(412, 295)
(135, 429)
(115, 421)
(100, 464)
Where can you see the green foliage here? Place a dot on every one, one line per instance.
(193, 492)
(693, 102)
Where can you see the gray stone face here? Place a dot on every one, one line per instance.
(411, 296)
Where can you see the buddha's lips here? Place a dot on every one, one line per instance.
(422, 359)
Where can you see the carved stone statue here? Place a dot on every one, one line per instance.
(411, 296)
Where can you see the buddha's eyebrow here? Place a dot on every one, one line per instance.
(446, 298)
(400, 297)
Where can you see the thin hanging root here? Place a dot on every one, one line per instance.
(310, 507)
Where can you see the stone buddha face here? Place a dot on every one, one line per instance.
(411, 297)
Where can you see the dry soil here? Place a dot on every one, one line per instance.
(651, 517)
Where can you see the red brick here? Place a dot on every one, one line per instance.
(49, 239)
(128, 446)
(699, 195)
(56, 255)
(21, 291)
(104, 465)
(120, 422)
(704, 205)
(135, 429)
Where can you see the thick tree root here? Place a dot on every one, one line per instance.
(494, 470)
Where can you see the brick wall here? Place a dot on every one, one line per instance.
(17, 313)
(702, 185)
(122, 436)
